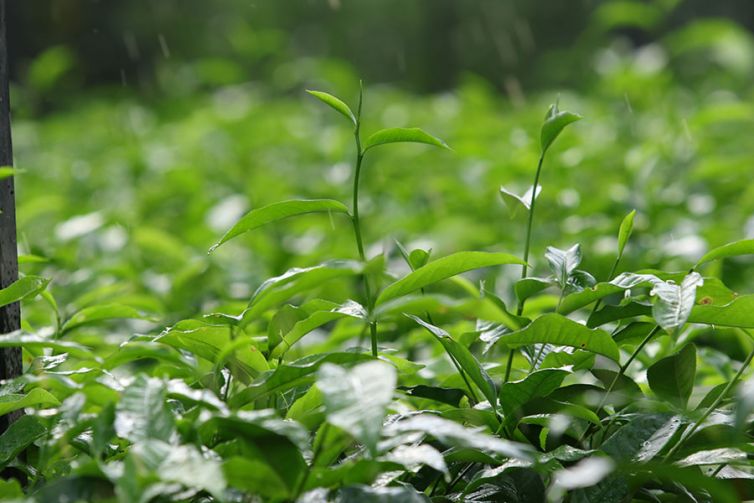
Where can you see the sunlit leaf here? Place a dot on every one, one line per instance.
(560, 331)
(356, 399)
(35, 397)
(555, 122)
(624, 233)
(142, 412)
(27, 286)
(279, 211)
(673, 303)
(402, 135)
(743, 247)
(336, 103)
(444, 268)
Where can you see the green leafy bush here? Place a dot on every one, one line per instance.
(595, 387)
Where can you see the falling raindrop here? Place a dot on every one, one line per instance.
(164, 46)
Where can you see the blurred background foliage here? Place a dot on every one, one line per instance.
(145, 128)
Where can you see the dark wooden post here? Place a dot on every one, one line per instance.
(10, 315)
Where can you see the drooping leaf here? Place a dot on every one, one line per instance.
(336, 103)
(317, 319)
(102, 312)
(743, 247)
(515, 202)
(624, 232)
(294, 281)
(672, 378)
(554, 329)
(279, 211)
(142, 413)
(555, 121)
(356, 399)
(673, 302)
(465, 359)
(402, 135)
(444, 268)
(37, 396)
(19, 436)
(27, 286)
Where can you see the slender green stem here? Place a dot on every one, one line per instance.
(620, 373)
(527, 245)
(529, 225)
(357, 224)
(315, 456)
(690, 431)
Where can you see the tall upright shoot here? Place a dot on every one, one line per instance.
(381, 137)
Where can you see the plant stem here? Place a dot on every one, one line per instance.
(527, 245)
(620, 373)
(529, 224)
(357, 224)
(690, 431)
(316, 454)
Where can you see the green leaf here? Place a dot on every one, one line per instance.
(28, 286)
(515, 202)
(21, 434)
(454, 434)
(142, 412)
(563, 263)
(673, 303)
(642, 437)
(279, 211)
(465, 359)
(527, 287)
(555, 122)
(585, 297)
(32, 341)
(450, 396)
(37, 396)
(94, 314)
(349, 309)
(402, 135)
(516, 394)
(336, 103)
(554, 329)
(414, 456)
(256, 476)
(295, 281)
(290, 375)
(356, 399)
(738, 313)
(743, 247)
(624, 233)
(444, 268)
(367, 494)
(672, 378)
(725, 455)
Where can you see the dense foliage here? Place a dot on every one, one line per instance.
(388, 323)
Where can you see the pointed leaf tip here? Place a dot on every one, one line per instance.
(555, 121)
(335, 103)
(403, 135)
(278, 211)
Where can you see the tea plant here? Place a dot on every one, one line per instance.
(586, 391)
